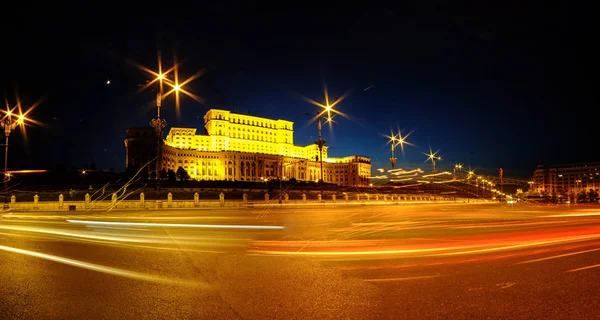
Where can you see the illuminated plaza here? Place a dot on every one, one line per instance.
(238, 147)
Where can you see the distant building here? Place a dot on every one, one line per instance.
(565, 179)
(238, 147)
(140, 148)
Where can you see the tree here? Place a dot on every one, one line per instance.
(182, 174)
(581, 196)
(593, 195)
(171, 175)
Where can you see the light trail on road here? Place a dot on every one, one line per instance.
(408, 253)
(103, 269)
(176, 225)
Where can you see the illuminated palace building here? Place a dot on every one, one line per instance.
(564, 179)
(238, 147)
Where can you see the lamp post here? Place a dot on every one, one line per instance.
(174, 86)
(8, 124)
(393, 145)
(320, 142)
(457, 166)
(158, 124)
(396, 140)
(433, 157)
(327, 109)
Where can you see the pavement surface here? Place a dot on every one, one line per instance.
(452, 261)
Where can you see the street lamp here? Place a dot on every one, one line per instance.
(8, 123)
(457, 166)
(328, 109)
(433, 157)
(393, 145)
(162, 77)
(320, 142)
(158, 124)
(396, 140)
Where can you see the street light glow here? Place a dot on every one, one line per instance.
(327, 108)
(8, 124)
(433, 157)
(164, 77)
(397, 140)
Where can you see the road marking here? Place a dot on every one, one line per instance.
(559, 256)
(474, 289)
(585, 268)
(174, 225)
(505, 285)
(402, 279)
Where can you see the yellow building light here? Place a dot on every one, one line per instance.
(251, 148)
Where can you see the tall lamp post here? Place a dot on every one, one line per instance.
(433, 157)
(173, 86)
(158, 124)
(327, 109)
(9, 124)
(393, 145)
(320, 142)
(396, 140)
(457, 167)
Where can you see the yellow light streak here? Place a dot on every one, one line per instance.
(403, 279)
(100, 268)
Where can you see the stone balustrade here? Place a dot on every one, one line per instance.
(114, 202)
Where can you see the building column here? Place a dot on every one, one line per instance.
(255, 166)
(236, 169)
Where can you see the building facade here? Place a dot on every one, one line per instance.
(565, 179)
(238, 147)
(140, 147)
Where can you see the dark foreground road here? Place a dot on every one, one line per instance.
(358, 262)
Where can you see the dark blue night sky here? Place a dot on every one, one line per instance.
(488, 86)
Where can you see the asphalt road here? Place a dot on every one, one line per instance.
(458, 261)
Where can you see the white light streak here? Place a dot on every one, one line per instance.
(176, 225)
(99, 268)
